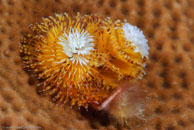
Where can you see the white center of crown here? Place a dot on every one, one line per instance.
(76, 44)
(137, 39)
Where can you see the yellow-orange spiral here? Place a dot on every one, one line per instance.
(81, 59)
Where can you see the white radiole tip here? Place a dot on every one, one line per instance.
(137, 39)
(76, 44)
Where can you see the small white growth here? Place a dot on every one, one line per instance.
(76, 44)
(137, 39)
(79, 59)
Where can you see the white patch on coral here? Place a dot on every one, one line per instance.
(137, 39)
(76, 44)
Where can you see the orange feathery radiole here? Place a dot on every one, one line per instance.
(81, 59)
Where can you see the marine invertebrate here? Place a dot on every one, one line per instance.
(130, 105)
(83, 59)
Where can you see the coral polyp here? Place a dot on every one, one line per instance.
(82, 59)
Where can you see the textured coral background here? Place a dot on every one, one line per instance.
(169, 28)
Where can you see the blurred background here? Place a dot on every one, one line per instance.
(167, 24)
